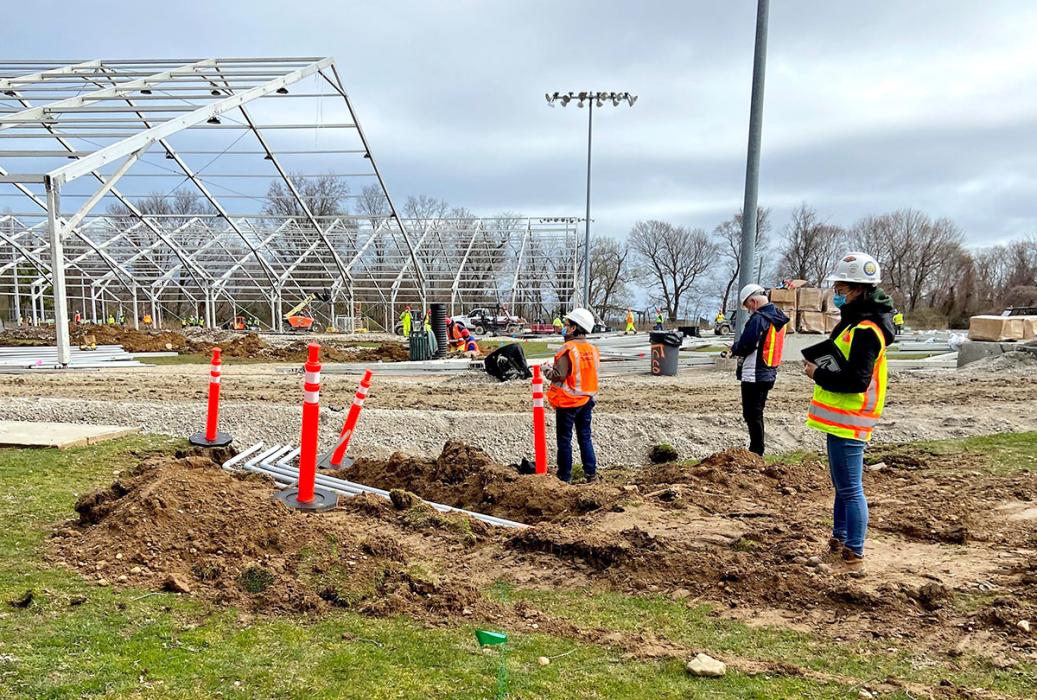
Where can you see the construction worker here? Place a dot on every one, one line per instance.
(849, 396)
(658, 320)
(428, 321)
(111, 319)
(898, 321)
(77, 318)
(405, 318)
(454, 339)
(630, 323)
(574, 384)
(470, 346)
(147, 319)
(758, 350)
(720, 317)
(557, 324)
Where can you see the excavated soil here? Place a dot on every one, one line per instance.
(248, 345)
(731, 530)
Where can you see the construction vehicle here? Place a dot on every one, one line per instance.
(241, 324)
(481, 321)
(299, 318)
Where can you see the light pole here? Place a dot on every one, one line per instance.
(593, 99)
(752, 164)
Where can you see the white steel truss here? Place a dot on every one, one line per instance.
(216, 187)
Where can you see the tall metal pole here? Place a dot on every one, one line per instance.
(57, 272)
(752, 165)
(587, 222)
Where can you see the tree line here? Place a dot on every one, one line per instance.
(927, 268)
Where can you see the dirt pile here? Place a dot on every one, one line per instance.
(133, 340)
(27, 336)
(1016, 363)
(334, 352)
(464, 476)
(186, 525)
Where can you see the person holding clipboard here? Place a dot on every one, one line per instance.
(849, 373)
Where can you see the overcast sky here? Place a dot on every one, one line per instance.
(871, 106)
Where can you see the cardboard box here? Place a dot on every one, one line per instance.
(831, 321)
(1029, 327)
(810, 321)
(826, 301)
(783, 297)
(996, 328)
(809, 299)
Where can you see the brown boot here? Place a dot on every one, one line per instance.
(852, 563)
(835, 551)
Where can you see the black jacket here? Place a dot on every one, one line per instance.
(752, 367)
(856, 374)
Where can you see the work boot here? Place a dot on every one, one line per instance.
(852, 563)
(591, 478)
(835, 551)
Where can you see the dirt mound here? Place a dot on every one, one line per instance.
(133, 340)
(464, 476)
(27, 336)
(186, 525)
(738, 471)
(1019, 362)
(335, 352)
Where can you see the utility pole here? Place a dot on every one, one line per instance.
(599, 99)
(752, 165)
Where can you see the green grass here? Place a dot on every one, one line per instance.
(203, 358)
(1000, 454)
(711, 348)
(135, 643)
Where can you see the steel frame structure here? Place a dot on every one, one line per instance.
(207, 133)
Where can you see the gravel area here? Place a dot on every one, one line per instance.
(619, 439)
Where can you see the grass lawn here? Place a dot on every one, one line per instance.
(532, 348)
(134, 643)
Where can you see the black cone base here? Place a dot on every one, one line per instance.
(222, 440)
(325, 462)
(323, 499)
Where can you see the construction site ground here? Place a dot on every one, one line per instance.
(140, 567)
(698, 412)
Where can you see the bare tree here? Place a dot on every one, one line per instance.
(323, 196)
(729, 237)
(609, 274)
(811, 247)
(913, 249)
(674, 258)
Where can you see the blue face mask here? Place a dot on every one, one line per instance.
(839, 300)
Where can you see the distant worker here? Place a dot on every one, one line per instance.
(454, 339)
(631, 328)
(720, 316)
(405, 318)
(574, 384)
(77, 318)
(111, 320)
(849, 397)
(557, 324)
(658, 320)
(147, 319)
(758, 349)
(898, 321)
(470, 346)
(428, 320)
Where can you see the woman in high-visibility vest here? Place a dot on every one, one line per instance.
(849, 396)
(631, 328)
(574, 384)
(405, 319)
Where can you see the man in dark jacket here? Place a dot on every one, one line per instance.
(758, 350)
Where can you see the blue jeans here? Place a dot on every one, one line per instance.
(565, 419)
(850, 513)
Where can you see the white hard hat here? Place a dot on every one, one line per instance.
(856, 267)
(749, 290)
(582, 318)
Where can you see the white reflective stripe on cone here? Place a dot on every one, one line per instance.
(312, 396)
(313, 377)
(363, 390)
(538, 403)
(214, 380)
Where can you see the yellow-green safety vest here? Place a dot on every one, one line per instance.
(852, 416)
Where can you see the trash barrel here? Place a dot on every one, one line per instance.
(666, 347)
(420, 348)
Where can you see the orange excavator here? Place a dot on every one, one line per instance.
(299, 318)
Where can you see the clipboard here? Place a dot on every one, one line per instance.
(825, 355)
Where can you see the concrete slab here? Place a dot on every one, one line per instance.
(59, 435)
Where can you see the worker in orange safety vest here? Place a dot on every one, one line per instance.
(574, 384)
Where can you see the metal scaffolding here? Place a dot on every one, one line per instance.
(161, 189)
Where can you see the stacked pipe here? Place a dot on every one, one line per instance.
(304, 495)
(212, 437)
(337, 459)
(439, 328)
